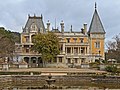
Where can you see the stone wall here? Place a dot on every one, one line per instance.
(37, 80)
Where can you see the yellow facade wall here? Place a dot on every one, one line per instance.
(23, 39)
(85, 39)
(96, 50)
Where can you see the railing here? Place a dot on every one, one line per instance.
(76, 43)
(24, 53)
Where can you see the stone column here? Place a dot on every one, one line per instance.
(36, 61)
(29, 62)
(80, 61)
(48, 25)
(63, 60)
(78, 50)
(63, 48)
(57, 59)
(71, 50)
(30, 38)
(88, 50)
(85, 50)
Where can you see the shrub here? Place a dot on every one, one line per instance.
(111, 68)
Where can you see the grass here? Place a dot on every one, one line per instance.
(19, 73)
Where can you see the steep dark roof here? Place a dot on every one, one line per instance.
(38, 22)
(96, 24)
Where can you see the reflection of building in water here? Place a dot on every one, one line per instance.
(76, 48)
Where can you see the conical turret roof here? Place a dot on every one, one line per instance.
(96, 24)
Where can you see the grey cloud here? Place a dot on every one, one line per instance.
(76, 12)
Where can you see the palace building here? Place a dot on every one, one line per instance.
(78, 48)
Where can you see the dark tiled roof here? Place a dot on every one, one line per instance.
(38, 22)
(96, 24)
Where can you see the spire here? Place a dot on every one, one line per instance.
(96, 24)
(95, 5)
(41, 16)
(55, 23)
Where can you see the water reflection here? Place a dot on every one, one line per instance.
(65, 87)
(74, 88)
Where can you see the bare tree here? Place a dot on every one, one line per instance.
(114, 49)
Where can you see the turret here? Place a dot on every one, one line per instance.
(48, 25)
(85, 29)
(62, 26)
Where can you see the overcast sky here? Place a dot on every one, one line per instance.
(14, 13)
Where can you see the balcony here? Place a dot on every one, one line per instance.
(29, 54)
(76, 55)
(76, 44)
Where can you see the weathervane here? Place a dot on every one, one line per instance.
(95, 5)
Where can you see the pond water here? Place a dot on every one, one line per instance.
(81, 86)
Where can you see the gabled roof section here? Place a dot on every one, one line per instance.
(96, 24)
(37, 21)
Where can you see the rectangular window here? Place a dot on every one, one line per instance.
(82, 60)
(97, 44)
(61, 48)
(76, 60)
(68, 50)
(27, 39)
(60, 59)
(75, 39)
(55, 60)
(27, 50)
(75, 50)
(81, 40)
(68, 40)
(69, 60)
(82, 50)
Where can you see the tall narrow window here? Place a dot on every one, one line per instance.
(82, 50)
(68, 50)
(75, 39)
(33, 27)
(68, 40)
(69, 61)
(60, 59)
(76, 50)
(97, 44)
(27, 39)
(27, 50)
(81, 40)
(76, 60)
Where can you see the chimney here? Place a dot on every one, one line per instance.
(48, 26)
(85, 28)
(62, 26)
(82, 30)
(71, 29)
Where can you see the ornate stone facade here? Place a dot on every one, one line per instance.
(76, 48)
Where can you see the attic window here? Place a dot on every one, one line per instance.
(33, 27)
(81, 40)
(68, 40)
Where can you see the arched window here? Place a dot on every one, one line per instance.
(33, 27)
